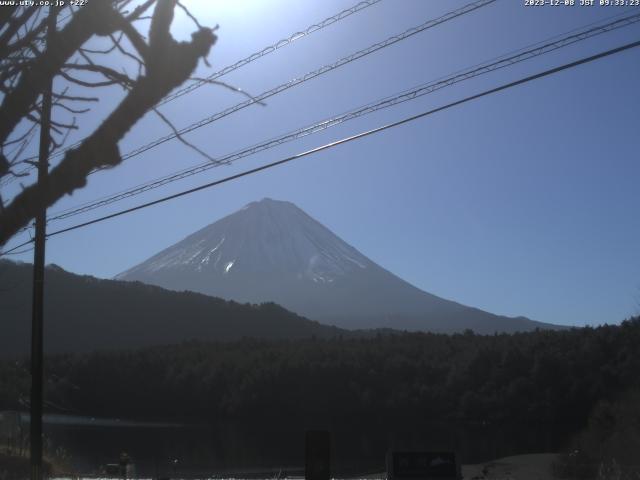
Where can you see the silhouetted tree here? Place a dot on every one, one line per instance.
(26, 67)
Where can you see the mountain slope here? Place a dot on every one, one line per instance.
(83, 313)
(273, 251)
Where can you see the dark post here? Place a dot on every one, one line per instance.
(318, 455)
(38, 273)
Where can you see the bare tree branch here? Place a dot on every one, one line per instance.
(63, 96)
(179, 136)
(168, 64)
(69, 109)
(230, 87)
(13, 26)
(137, 13)
(136, 40)
(193, 19)
(84, 83)
(107, 72)
(95, 18)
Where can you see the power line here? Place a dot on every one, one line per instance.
(311, 75)
(239, 64)
(327, 146)
(21, 252)
(412, 94)
(272, 48)
(344, 140)
(12, 251)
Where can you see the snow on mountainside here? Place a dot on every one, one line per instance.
(272, 251)
(265, 236)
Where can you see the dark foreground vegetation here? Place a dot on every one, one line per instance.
(544, 376)
(18, 467)
(84, 313)
(585, 379)
(608, 447)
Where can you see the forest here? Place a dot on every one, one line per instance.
(581, 385)
(529, 378)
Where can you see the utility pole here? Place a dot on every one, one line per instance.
(37, 377)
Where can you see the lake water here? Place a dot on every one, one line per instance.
(242, 449)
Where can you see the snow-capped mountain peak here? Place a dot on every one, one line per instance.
(271, 250)
(263, 236)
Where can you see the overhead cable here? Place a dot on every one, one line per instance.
(408, 95)
(358, 136)
(235, 66)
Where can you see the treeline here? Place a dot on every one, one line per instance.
(543, 376)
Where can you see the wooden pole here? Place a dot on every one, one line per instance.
(37, 370)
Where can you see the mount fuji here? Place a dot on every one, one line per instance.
(272, 251)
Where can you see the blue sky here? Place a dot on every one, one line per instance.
(520, 203)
